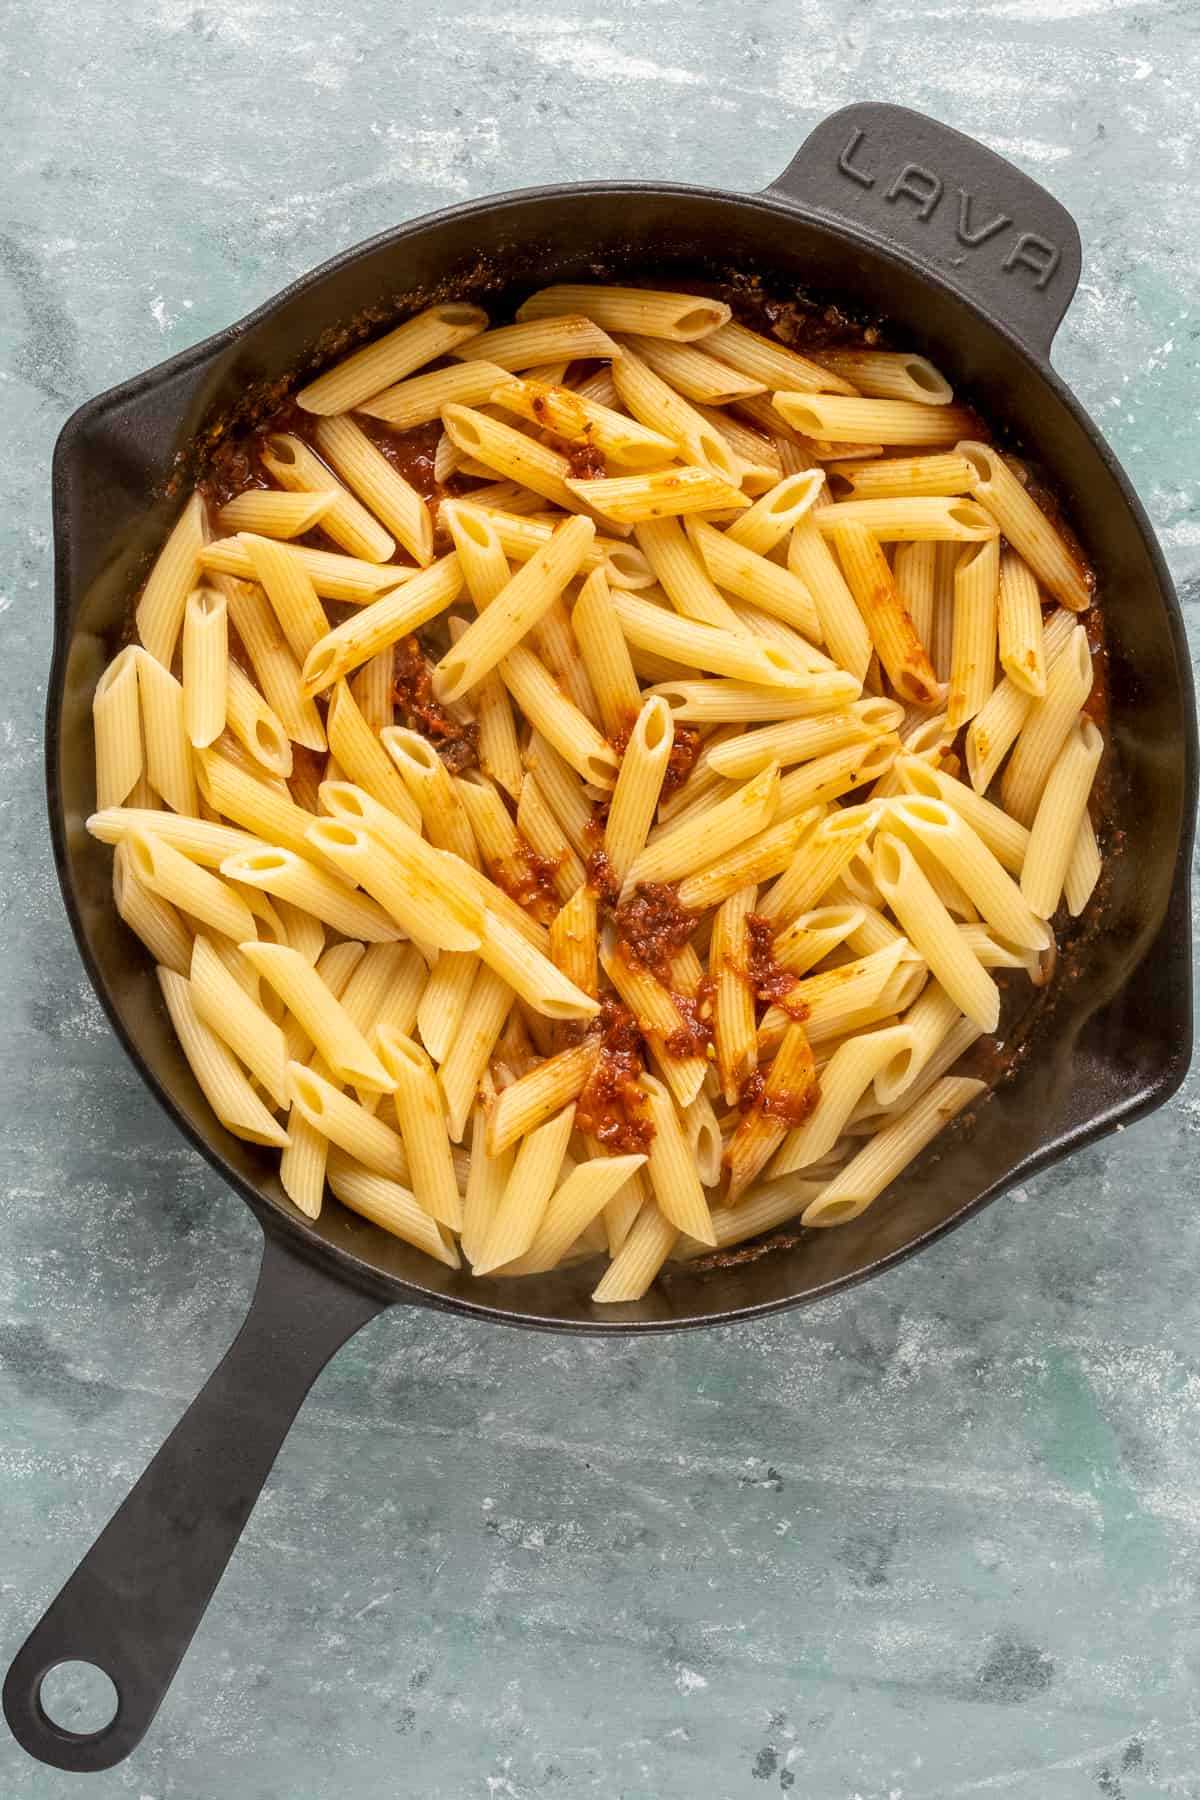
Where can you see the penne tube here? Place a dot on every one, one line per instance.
(906, 477)
(270, 513)
(117, 729)
(486, 1181)
(790, 1091)
(568, 336)
(810, 938)
(924, 919)
(759, 858)
(900, 650)
(696, 843)
(799, 740)
(549, 711)
(418, 1106)
(733, 702)
(660, 408)
(398, 875)
(205, 655)
(622, 1210)
(670, 1168)
(1022, 653)
(1030, 533)
(964, 855)
(638, 786)
(266, 816)
(504, 853)
(346, 520)
(306, 885)
(320, 1014)
(776, 512)
(756, 579)
(334, 576)
(168, 753)
(238, 1020)
(221, 1081)
(200, 840)
(889, 1152)
(430, 791)
(843, 420)
(513, 610)
(290, 589)
(652, 628)
(574, 939)
(502, 451)
(927, 1027)
(578, 420)
(660, 493)
(523, 1204)
(460, 1074)
(889, 375)
(151, 918)
(829, 1003)
(253, 725)
(420, 399)
(175, 573)
(498, 750)
(919, 519)
(380, 487)
(646, 1248)
(579, 1199)
(389, 1205)
(759, 1211)
(364, 756)
(973, 651)
(820, 858)
(344, 1122)
(828, 777)
(691, 372)
(914, 571)
(1083, 870)
(537, 1096)
(544, 835)
(276, 669)
(683, 576)
(733, 998)
(681, 318)
(605, 655)
(169, 874)
(992, 733)
(758, 458)
(1061, 811)
(941, 632)
(384, 622)
(431, 333)
(1047, 726)
(772, 363)
(530, 974)
(1006, 838)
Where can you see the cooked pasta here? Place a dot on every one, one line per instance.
(610, 842)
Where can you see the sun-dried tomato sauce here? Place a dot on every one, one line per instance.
(652, 927)
(768, 980)
(685, 748)
(612, 1107)
(694, 1034)
(412, 691)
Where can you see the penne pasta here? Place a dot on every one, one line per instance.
(365, 756)
(418, 1106)
(432, 333)
(662, 493)
(577, 419)
(221, 1081)
(1022, 654)
(772, 363)
(522, 1206)
(638, 786)
(1061, 812)
(420, 399)
(117, 727)
(890, 1152)
(346, 520)
(176, 571)
(305, 885)
(691, 372)
(905, 477)
(890, 626)
(670, 1168)
(384, 622)
(270, 513)
(889, 375)
(906, 888)
(840, 419)
(733, 999)
(151, 918)
(380, 487)
(681, 318)
(275, 667)
(973, 651)
(334, 576)
(605, 655)
(1025, 525)
(205, 656)
(1046, 729)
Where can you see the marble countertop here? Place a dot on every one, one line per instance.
(938, 1537)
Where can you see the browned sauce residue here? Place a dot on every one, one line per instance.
(612, 1108)
(769, 982)
(694, 1034)
(531, 883)
(600, 876)
(790, 1108)
(412, 692)
(587, 463)
(652, 928)
(680, 763)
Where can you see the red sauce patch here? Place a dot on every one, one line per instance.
(531, 884)
(770, 983)
(652, 928)
(587, 464)
(684, 751)
(600, 877)
(612, 1107)
(412, 692)
(695, 1033)
(411, 453)
(789, 1108)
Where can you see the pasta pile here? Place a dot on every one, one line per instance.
(550, 838)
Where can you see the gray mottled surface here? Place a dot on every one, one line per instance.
(939, 1538)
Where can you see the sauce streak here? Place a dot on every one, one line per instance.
(612, 1108)
(412, 692)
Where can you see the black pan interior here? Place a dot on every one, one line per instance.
(1107, 1050)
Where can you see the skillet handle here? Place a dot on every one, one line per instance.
(134, 1602)
(940, 199)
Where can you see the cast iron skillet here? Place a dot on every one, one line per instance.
(969, 260)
